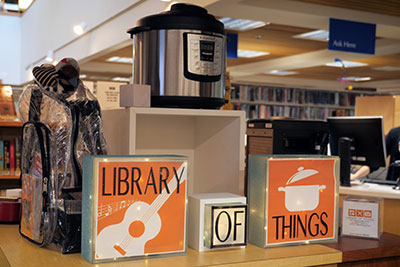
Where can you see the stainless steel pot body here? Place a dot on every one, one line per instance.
(180, 62)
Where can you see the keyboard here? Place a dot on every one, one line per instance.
(378, 181)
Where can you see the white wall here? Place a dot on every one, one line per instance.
(48, 25)
(10, 49)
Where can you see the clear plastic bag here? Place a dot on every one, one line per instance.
(74, 128)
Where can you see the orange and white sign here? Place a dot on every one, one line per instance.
(362, 217)
(139, 207)
(301, 200)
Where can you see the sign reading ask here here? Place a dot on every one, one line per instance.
(352, 36)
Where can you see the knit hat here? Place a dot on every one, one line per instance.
(46, 75)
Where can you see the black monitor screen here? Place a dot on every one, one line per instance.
(367, 144)
(300, 137)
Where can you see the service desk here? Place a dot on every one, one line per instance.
(391, 209)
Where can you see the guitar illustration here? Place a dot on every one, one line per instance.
(141, 223)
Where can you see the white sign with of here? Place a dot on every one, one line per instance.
(361, 218)
(226, 226)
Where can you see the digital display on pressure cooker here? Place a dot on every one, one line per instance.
(207, 51)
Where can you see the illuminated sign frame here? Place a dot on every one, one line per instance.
(135, 207)
(210, 225)
(293, 199)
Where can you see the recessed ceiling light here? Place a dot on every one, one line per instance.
(387, 68)
(120, 59)
(281, 72)
(82, 76)
(10, 6)
(319, 35)
(121, 79)
(347, 64)
(250, 53)
(241, 24)
(356, 79)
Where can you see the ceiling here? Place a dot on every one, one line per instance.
(306, 58)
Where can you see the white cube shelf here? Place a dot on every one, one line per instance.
(212, 139)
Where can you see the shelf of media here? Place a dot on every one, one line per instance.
(268, 103)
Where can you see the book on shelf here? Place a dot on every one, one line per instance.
(10, 157)
(18, 145)
(6, 156)
(1, 156)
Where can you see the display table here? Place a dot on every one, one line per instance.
(391, 209)
(15, 251)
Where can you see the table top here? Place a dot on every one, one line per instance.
(17, 251)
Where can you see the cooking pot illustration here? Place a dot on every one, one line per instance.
(301, 197)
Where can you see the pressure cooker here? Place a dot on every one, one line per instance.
(181, 54)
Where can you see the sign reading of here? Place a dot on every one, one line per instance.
(225, 225)
(138, 206)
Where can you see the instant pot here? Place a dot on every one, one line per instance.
(181, 54)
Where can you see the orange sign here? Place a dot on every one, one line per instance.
(141, 208)
(27, 206)
(301, 200)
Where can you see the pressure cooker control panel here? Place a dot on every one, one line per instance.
(203, 57)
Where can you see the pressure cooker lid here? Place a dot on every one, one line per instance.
(181, 16)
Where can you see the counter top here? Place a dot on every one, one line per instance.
(15, 251)
(362, 249)
(370, 190)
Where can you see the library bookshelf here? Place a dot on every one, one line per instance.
(9, 131)
(269, 101)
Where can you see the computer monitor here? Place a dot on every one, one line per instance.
(300, 137)
(289, 136)
(357, 140)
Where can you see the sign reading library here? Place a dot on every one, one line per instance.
(139, 207)
(301, 200)
(352, 36)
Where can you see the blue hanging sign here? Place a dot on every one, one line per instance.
(351, 36)
(232, 45)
